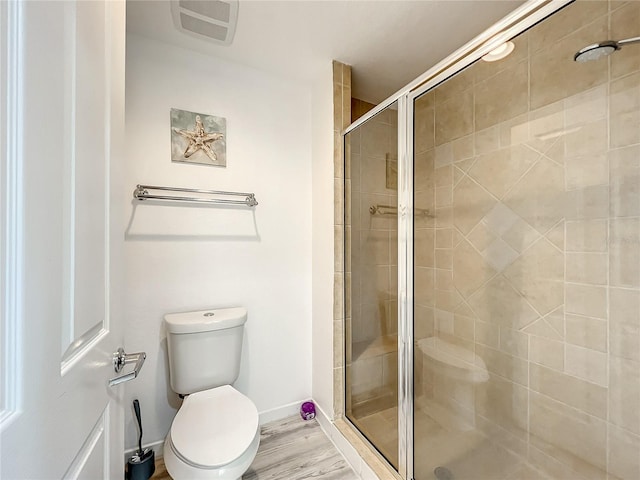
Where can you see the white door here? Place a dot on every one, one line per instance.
(62, 113)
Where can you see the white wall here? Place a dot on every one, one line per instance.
(322, 243)
(187, 258)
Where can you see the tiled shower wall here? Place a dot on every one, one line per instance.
(527, 243)
(341, 119)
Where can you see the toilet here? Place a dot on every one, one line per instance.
(215, 434)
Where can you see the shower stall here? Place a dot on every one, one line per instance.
(492, 255)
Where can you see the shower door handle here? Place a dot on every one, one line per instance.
(120, 359)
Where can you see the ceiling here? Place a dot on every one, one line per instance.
(387, 43)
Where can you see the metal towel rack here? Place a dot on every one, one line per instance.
(393, 210)
(142, 193)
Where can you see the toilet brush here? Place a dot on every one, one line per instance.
(142, 464)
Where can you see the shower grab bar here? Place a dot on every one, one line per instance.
(393, 210)
(142, 193)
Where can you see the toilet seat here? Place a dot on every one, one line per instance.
(214, 427)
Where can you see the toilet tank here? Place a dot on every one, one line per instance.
(204, 348)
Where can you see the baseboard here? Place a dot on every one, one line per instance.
(158, 448)
(280, 412)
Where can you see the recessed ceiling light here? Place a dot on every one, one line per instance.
(499, 53)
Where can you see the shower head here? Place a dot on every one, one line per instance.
(602, 49)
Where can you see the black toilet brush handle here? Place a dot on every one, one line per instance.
(136, 408)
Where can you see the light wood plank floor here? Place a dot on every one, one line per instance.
(290, 449)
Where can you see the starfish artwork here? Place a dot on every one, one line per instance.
(197, 138)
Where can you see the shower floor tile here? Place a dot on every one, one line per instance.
(465, 452)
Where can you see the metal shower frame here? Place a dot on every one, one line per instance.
(521, 19)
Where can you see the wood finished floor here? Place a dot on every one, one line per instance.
(290, 449)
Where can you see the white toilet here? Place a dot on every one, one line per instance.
(215, 434)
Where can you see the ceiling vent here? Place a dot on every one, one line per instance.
(213, 20)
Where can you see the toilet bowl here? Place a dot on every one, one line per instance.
(215, 435)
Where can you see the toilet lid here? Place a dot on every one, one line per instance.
(214, 427)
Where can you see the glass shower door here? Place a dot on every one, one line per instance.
(371, 327)
(527, 259)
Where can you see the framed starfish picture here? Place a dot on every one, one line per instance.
(198, 138)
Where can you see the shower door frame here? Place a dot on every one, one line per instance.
(518, 21)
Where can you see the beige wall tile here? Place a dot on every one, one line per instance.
(587, 202)
(470, 271)
(624, 393)
(587, 332)
(444, 217)
(624, 171)
(470, 204)
(585, 396)
(553, 77)
(510, 83)
(487, 140)
(624, 323)
(514, 342)
(624, 252)
(521, 235)
(547, 352)
(498, 171)
(538, 274)
(444, 238)
(444, 196)
(424, 171)
(464, 327)
(586, 107)
(487, 334)
(424, 127)
(443, 176)
(568, 435)
(424, 286)
(423, 326)
(454, 117)
(589, 268)
(444, 155)
(624, 24)
(624, 109)
(587, 236)
(587, 139)
(454, 86)
(444, 258)
(462, 148)
(557, 235)
(498, 302)
(444, 280)
(586, 170)
(514, 131)
(624, 461)
(590, 301)
(504, 403)
(481, 237)
(509, 367)
(542, 328)
(539, 196)
(547, 33)
(587, 364)
(424, 247)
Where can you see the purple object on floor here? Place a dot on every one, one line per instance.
(308, 411)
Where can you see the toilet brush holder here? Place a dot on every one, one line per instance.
(141, 467)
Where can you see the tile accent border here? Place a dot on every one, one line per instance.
(341, 119)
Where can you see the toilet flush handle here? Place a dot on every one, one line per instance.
(120, 359)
